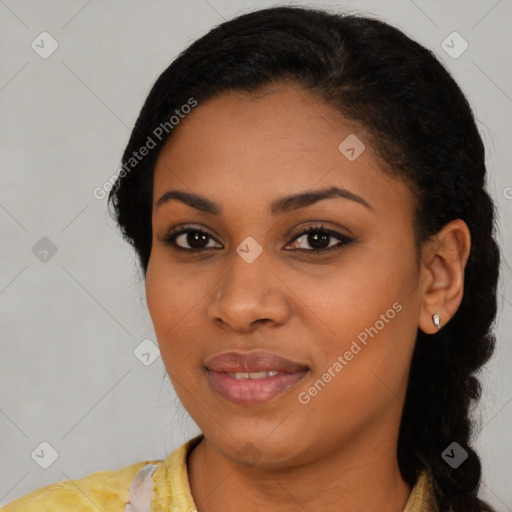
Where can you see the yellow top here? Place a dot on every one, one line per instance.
(151, 486)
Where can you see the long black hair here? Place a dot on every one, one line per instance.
(423, 130)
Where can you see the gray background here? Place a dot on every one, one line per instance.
(70, 325)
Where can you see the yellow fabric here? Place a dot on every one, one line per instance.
(422, 498)
(108, 491)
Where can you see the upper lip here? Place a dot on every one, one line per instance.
(250, 362)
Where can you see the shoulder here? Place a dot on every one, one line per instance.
(103, 490)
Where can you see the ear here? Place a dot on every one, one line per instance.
(444, 259)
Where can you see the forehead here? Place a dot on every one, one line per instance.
(243, 147)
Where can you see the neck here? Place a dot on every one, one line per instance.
(364, 478)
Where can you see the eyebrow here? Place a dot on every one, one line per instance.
(277, 207)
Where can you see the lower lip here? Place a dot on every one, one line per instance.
(253, 392)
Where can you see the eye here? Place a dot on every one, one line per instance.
(188, 238)
(319, 238)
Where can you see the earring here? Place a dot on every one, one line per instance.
(436, 320)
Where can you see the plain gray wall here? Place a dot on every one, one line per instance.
(69, 326)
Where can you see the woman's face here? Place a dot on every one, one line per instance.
(279, 353)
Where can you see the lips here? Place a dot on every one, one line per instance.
(252, 362)
(252, 378)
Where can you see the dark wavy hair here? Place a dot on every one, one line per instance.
(423, 130)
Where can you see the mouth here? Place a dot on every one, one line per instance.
(252, 378)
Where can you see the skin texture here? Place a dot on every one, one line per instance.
(338, 451)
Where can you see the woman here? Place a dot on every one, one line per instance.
(305, 194)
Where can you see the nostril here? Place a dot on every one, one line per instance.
(263, 320)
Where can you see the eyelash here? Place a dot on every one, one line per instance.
(170, 238)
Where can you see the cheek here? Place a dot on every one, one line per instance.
(163, 299)
(371, 311)
(170, 293)
(156, 298)
(173, 299)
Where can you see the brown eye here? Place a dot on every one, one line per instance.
(320, 239)
(188, 239)
(314, 239)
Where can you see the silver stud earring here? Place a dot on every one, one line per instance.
(436, 320)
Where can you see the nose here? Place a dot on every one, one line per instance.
(249, 294)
